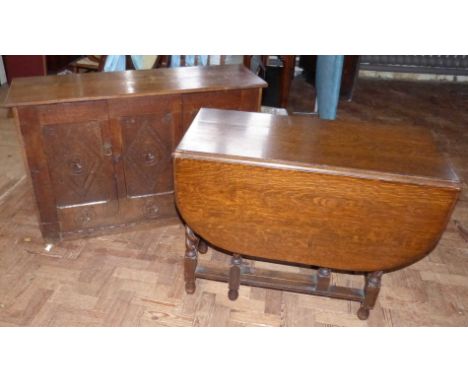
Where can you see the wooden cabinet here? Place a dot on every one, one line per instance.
(99, 145)
(246, 100)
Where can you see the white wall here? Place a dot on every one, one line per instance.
(3, 78)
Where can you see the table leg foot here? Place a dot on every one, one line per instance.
(233, 294)
(371, 291)
(234, 277)
(363, 313)
(202, 246)
(323, 279)
(190, 260)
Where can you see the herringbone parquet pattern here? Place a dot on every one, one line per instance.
(136, 278)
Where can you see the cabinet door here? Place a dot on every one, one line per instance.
(244, 100)
(76, 143)
(78, 156)
(146, 128)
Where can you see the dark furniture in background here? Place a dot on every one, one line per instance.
(348, 78)
(55, 64)
(337, 195)
(98, 145)
(28, 66)
(87, 64)
(279, 80)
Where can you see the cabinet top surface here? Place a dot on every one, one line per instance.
(388, 152)
(94, 86)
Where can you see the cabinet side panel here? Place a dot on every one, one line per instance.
(29, 128)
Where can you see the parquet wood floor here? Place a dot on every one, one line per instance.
(136, 278)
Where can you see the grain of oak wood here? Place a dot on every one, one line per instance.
(389, 152)
(334, 195)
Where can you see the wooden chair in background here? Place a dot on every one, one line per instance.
(97, 63)
(287, 74)
(88, 64)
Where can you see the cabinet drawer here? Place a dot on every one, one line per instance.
(148, 208)
(85, 218)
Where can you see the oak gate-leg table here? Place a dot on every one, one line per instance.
(344, 196)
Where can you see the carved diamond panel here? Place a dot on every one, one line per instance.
(80, 173)
(147, 153)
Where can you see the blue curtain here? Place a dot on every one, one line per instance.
(137, 61)
(114, 63)
(328, 81)
(203, 60)
(189, 60)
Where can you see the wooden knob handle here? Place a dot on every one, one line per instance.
(107, 149)
(76, 167)
(149, 158)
